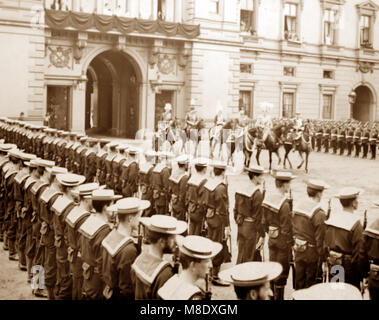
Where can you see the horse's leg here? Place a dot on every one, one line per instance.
(270, 157)
(278, 155)
(285, 157)
(302, 159)
(257, 156)
(306, 161)
(288, 157)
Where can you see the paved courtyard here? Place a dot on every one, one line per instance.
(337, 171)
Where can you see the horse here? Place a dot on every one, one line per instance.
(248, 143)
(303, 144)
(271, 142)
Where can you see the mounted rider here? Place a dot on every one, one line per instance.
(264, 121)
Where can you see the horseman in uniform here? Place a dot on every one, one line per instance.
(192, 119)
(264, 122)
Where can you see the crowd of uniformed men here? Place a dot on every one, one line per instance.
(87, 218)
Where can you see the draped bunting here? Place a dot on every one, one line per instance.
(104, 23)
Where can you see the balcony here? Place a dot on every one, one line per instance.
(125, 16)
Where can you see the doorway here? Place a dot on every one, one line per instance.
(165, 96)
(58, 107)
(363, 104)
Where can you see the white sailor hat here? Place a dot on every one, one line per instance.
(349, 193)
(43, 163)
(86, 189)
(318, 185)
(218, 164)
(56, 170)
(5, 147)
(251, 274)
(182, 159)
(129, 206)
(283, 176)
(104, 195)
(70, 179)
(198, 247)
(329, 291)
(164, 224)
(202, 162)
(255, 169)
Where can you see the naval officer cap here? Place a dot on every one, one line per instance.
(251, 274)
(129, 206)
(329, 291)
(317, 185)
(70, 179)
(349, 193)
(164, 224)
(198, 247)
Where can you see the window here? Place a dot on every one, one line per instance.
(328, 74)
(290, 22)
(245, 103)
(329, 26)
(161, 10)
(327, 106)
(289, 71)
(365, 25)
(246, 68)
(247, 16)
(214, 6)
(288, 105)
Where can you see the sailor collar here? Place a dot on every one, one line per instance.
(115, 241)
(248, 191)
(196, 179)
(110, 157)
(75, 145)
(29, 181)
(159, 167)
(101, 153)
(145, 167)
(48, 194)
(92, 226)
(213, 183)
(75, 215)
(177, 176)
(343, 220)
(61, 204)
(118, 158)
(38, 186)
(69, 144)
(21, 176)
(89, 152)
(307, 208)
(177, 289)
(274, 201)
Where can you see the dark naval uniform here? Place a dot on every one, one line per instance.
(277, 221)
(178, 188)
(100, 166)
(145, 183)
(160, 184)
(10, 218)
(309, 232)
(333, 139)
(365, 142)
(149, 274)
(119, 253)
(117, 168)
(373, 142)
(342, 140)
(248, 216)
(130, 178)
(74, 219)
(217, 202)
(90, 165)
(196, 203)
(343, 239)
(108, 170)
(349, 139)
(93, 231)
(319, 134)
(371, 258)
(357, 141)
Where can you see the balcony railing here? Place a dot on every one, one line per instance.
(166, 10)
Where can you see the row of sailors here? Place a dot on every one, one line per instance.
(306, 227)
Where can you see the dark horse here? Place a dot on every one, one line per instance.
(272, 142)
(248, 143)
(303, 144)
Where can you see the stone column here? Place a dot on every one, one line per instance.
(78, 107)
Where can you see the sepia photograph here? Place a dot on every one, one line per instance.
(154, 151)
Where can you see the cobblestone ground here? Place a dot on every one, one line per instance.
(337, 171)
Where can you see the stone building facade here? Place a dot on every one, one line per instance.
(110, 66)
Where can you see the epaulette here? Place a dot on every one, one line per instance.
(9, 173)
(248, 191)
(147, 267)
(115, 241)
(196, 180)
(61, 204)
(177, 176)
(145, 167)
(29, 181)
(273, 201)
(37, 186)
(92, 226)
(159, 167)
(213, 183)
(344, 220)
(89, 152)
(76, 215)
(48, 194)
(306, 208)
(174, 289)
(21, 176)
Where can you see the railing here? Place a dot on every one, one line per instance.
(167, 10)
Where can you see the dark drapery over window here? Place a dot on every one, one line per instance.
(104, 23)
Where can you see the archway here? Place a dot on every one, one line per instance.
(362, 109)
(112, 95)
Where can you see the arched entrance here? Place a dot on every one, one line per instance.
(362, 109)
(112, 95)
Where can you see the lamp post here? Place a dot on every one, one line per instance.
(352, 98)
